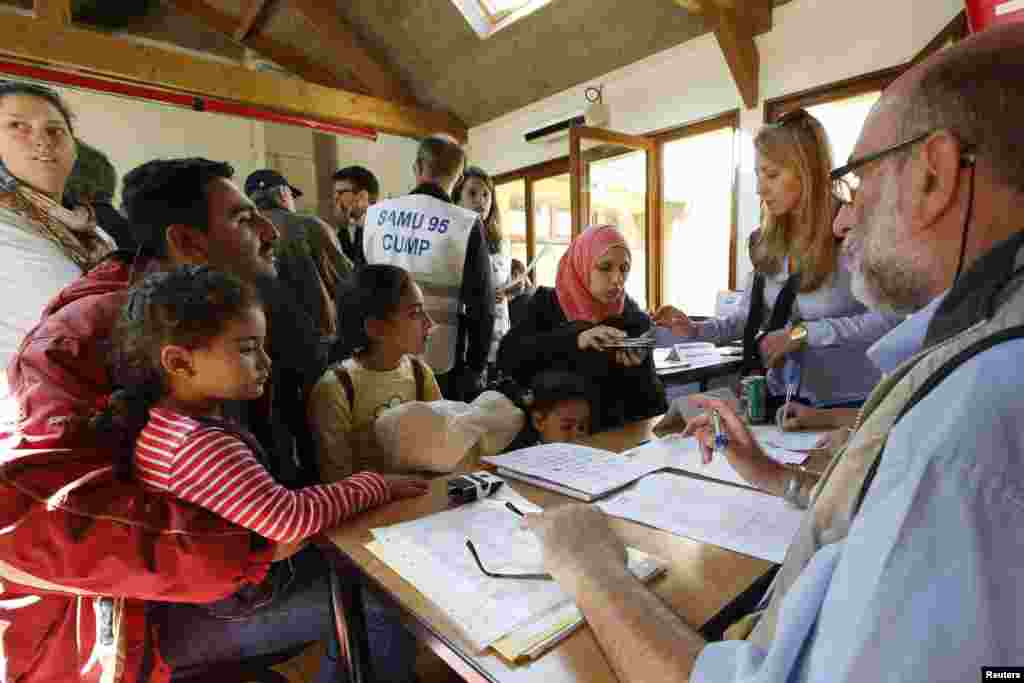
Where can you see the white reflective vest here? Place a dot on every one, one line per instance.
(427, 237)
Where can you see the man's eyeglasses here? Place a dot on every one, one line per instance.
(499, 575)
(846, 175)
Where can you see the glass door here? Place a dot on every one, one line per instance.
(614, 180)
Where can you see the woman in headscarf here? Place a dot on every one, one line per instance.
(576, 326)
(44, 244)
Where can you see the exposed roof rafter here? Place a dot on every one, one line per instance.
(74, 49)
(288, 57)
(53, 11)
(251, 10)
(735, 23)
(378, 79)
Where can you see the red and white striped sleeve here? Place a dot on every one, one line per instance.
(219, 472)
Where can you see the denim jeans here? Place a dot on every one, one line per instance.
(191, 637)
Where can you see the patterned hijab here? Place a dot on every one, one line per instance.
(572, 284)
(74, 232)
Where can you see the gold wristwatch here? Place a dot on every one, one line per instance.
(798, 334)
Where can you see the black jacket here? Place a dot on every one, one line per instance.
(476, 323)
(546, 340)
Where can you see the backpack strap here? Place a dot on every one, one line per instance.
(345, 380)
(421, 378)
(944, 371)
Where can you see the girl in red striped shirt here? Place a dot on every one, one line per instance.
(188, 342)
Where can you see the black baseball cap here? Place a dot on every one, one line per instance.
(267, 179)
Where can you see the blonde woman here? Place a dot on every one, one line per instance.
(798, 317)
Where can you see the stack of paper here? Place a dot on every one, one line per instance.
(431, 554)
(549, 629)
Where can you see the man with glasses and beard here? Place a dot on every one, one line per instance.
(908, 563)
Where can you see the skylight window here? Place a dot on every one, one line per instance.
(487, 17)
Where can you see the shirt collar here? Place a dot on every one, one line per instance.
(433, 190)
(979, 290)
(904, 340)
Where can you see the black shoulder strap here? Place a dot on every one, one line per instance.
(755, 316)
(421, 379)
(783, 308)
(935, 379)
(345, 380)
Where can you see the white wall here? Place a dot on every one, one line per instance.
(390, 158)
(131, 132)
(812, 42)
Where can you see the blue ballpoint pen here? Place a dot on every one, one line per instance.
(721, 438)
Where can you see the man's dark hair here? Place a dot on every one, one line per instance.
(169, 192)
(440, 157)
(42, 92)
(977, 94)
(361, 179)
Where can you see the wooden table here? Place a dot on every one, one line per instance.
(700, 580)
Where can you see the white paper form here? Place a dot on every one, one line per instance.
(676, 452)
(431, 554)
(793, 441)
(590, 470)
(739, 519)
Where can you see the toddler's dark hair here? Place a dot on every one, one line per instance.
(188, 307)
(374, 292)
(553, 387)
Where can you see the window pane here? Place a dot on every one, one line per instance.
(697, 219)
(511, 200)
(618, 196)
(843, 120)
(552, 224)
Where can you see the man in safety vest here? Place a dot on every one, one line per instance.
(442, 245)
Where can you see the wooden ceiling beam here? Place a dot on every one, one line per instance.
(734, 31)
(378, 79)
(53, 11)
(289, 58)
(251, 10)
(758, 11)
(75, 49)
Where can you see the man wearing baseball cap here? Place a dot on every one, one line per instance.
(309, 257)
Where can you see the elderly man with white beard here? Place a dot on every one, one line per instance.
(909, 562)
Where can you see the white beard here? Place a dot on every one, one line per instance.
(894, 273)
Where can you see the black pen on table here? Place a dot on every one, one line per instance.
(514, 509)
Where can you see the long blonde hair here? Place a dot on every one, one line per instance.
(799, 143)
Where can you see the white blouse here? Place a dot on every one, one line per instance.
(32, 271)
